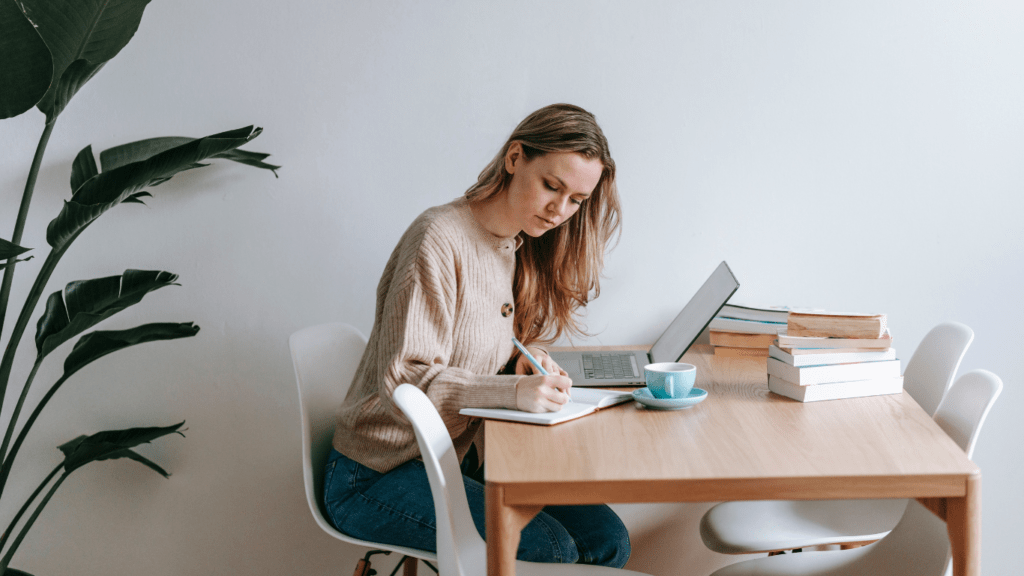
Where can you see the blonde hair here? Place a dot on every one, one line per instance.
(558, 272)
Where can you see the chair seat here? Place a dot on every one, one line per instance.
(804, 564)
(539, 569)
(918, 546)
(401, 550)
(769, 525)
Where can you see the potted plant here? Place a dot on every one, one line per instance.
(48, 51)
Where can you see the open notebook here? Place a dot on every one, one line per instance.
(584, 401)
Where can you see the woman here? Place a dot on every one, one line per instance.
(516, 256)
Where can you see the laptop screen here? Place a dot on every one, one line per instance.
(695, 316)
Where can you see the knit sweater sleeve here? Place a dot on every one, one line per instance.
(420, 344)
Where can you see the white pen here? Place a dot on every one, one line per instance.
(532, 360)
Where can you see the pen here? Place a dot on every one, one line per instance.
(530, 357)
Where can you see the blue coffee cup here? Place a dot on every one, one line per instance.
(667, 380)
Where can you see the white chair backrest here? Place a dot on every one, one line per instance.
(930, 371)
(919, 544)
(966, 405)
(460, 549)
(325, 358)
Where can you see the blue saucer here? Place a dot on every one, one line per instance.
(644, 396)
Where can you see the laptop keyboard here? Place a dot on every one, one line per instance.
(610, 366)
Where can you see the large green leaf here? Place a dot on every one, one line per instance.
(71, 81)
(25, 63)
(13, 572)
(98, 344)
(82, 35)
(84, 303)
(124, 154)
(103, 191)
(118, 156)
(111, 444)
(83, 168)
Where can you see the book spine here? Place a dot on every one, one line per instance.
(734, 352)
(790, 341)
(836, 391)
(808, 375)
(756, 314)
(735, 340)
(827, 351)
(829, 359)
(835, 327)
(746, 326)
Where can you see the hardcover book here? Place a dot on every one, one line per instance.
(808, 375)
(757, 313)
(736, 340)
(836, 390)
(787, 341)
(836, 324)
(746, 326)
(840, 356)
(733, 352)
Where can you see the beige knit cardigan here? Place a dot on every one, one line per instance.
(443, 322)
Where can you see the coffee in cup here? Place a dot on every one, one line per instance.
(668, 380)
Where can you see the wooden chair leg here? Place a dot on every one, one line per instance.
(851, 545)
(410, 566)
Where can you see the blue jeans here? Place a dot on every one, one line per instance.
(397, 508)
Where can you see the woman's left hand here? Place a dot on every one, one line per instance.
(523, 365)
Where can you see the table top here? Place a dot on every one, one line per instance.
(743, 442)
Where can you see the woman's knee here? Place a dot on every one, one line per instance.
(598, 533)
(545, 540)
(612, 549)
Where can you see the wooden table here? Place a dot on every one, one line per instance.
(742, 443)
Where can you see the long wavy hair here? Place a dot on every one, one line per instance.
(559, 271)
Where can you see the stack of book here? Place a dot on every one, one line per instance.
(825, 356)
(742, 330)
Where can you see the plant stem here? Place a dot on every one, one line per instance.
(26, 312)
(17, 409)
(10, 528)
(12, 345)
(5, 469)
(19, 225)
(28, 524)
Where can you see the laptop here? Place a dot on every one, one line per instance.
(603, 368)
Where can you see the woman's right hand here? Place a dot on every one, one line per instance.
(540, 393)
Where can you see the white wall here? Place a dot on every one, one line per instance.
(846, 155)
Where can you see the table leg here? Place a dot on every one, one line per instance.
(963, 520)
(504, 523)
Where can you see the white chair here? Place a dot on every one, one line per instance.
(919, 544)
(325, 358)
(460, 549)
(930, 371)
(775, 525)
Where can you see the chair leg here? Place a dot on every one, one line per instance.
(407, 562)
(363, 566)
(852, 545)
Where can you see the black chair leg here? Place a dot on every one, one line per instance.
(363, 566)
